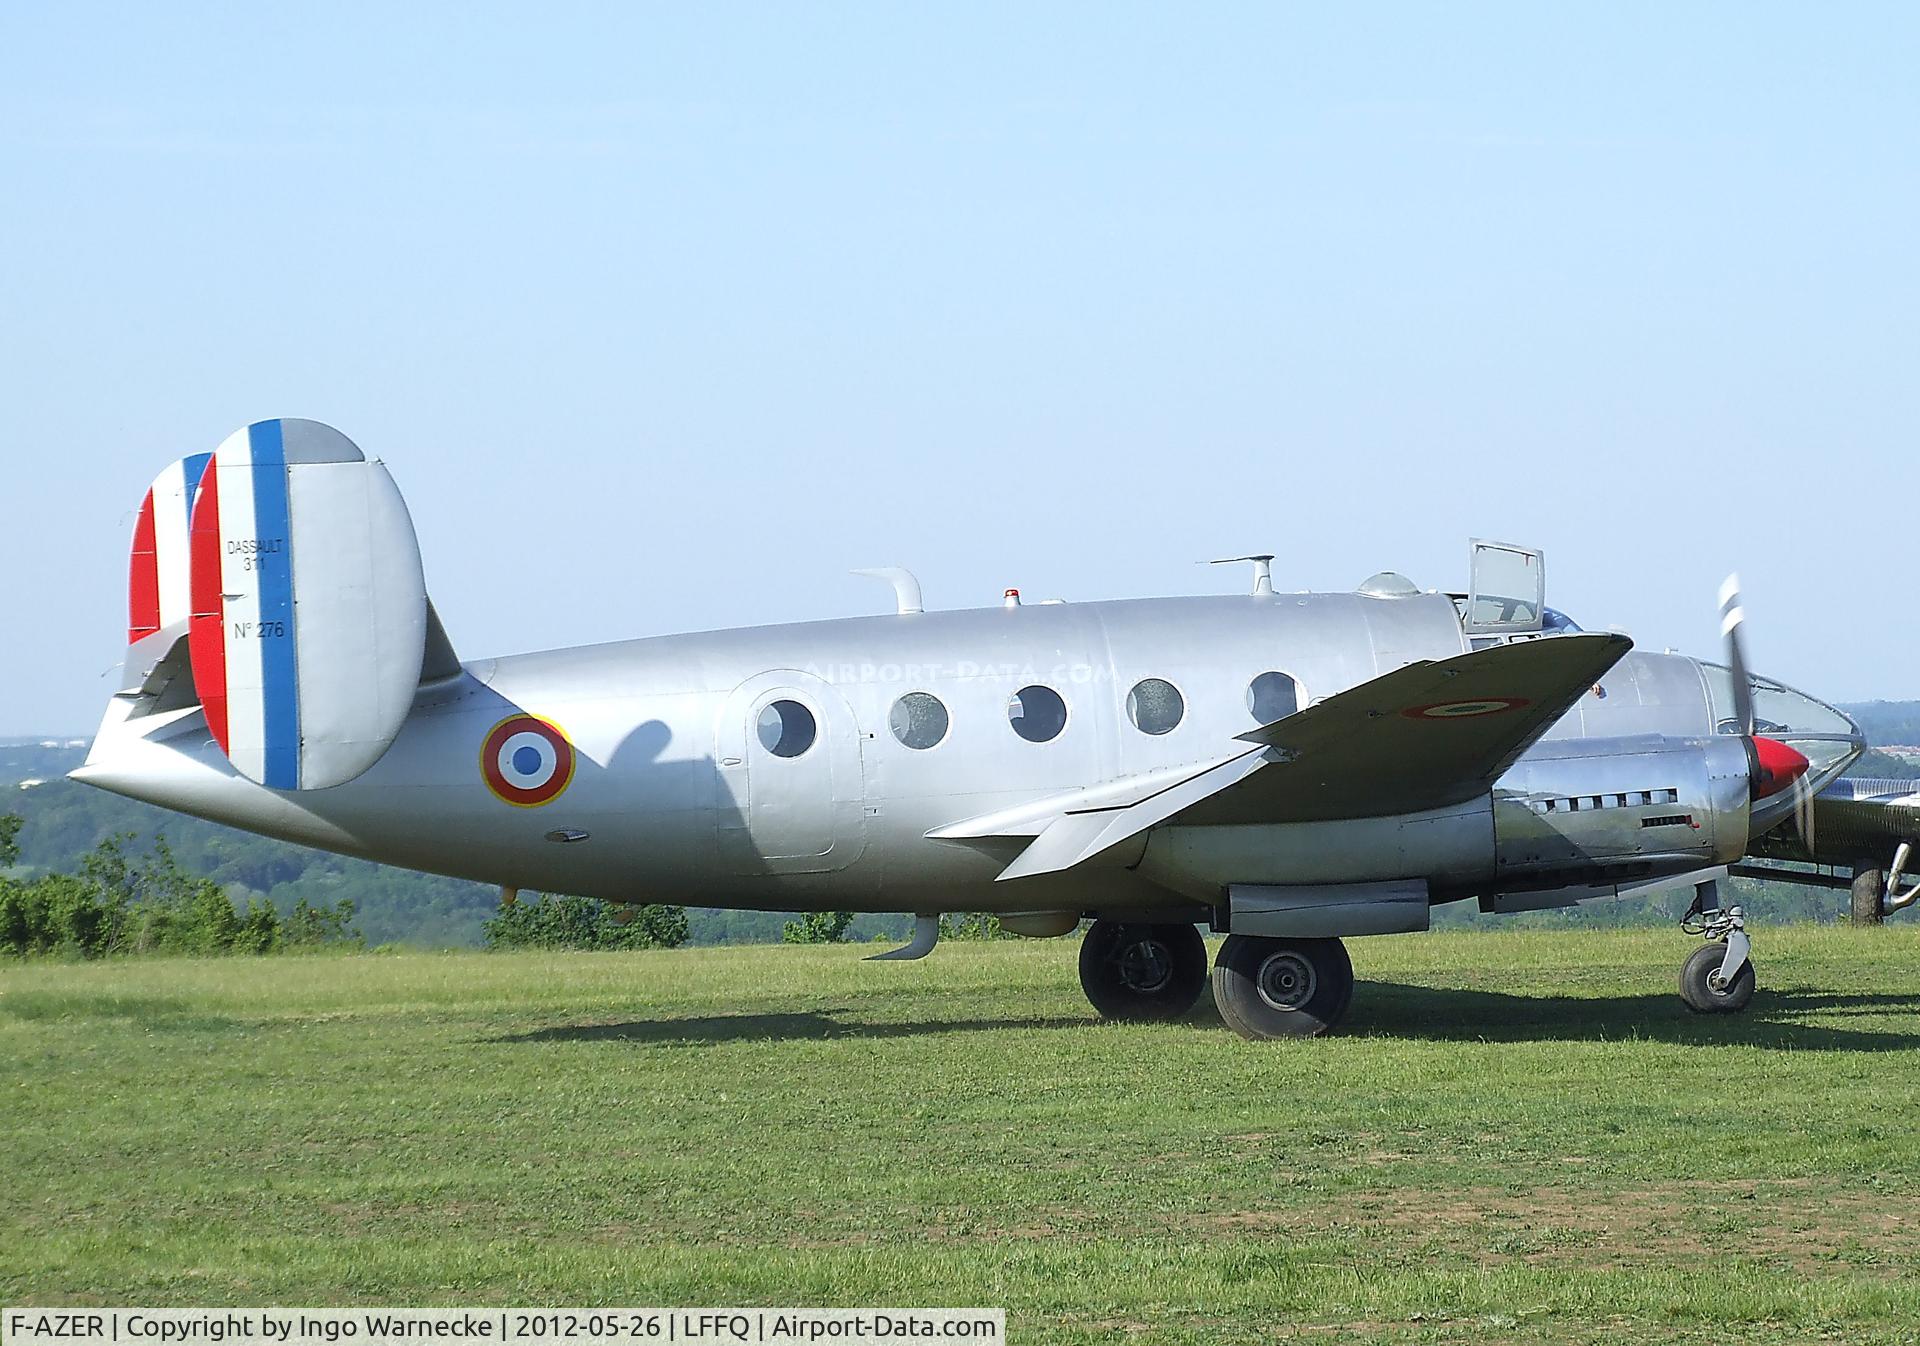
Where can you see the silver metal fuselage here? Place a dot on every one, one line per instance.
(676, 799)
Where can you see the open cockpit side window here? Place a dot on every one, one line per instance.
(1507, 590)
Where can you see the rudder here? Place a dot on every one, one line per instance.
(308, 605)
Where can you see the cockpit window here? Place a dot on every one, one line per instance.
(1507, 590)
(1778, 710)
(1558, 623)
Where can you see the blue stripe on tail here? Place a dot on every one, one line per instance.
(194, 467)
(279, 664)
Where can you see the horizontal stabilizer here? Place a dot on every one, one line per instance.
(309, 609)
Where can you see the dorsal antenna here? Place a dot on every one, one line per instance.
(906, 589)
(1262, 571)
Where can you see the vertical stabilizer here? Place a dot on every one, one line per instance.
(308, 605)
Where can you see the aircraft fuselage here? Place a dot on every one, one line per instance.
(676, 792)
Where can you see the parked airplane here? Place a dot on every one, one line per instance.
(1287, 768)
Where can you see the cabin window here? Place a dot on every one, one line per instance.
(918, 719)
(1272, 696)
(786, 728)
(1037, 713)
(1155, 706)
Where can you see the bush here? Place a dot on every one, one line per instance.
(554, 922)
(817, 927)
(126, 903)
(972, 925)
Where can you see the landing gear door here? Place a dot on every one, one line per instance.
(1508, 591)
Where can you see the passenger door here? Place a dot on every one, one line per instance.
(789, 755)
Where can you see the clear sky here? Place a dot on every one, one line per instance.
(664, 317)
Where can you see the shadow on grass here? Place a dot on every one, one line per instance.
(1774, 1019)
(1380, 1009)
(817, 1024)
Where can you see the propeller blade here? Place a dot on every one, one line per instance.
(1803, 812)
(1732, 617)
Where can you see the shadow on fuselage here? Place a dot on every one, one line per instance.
(1380, 1009)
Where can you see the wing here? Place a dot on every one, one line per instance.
(1422, 737)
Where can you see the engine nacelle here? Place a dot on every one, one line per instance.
(1606, 810)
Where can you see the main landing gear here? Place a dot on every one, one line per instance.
(1264, 988)
(1718, 977)
(1282, 988)
(1137, 971)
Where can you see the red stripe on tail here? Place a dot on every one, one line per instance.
(143, 584)
(207, 624)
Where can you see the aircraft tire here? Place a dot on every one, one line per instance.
(1282, 988)
(1142, 972)
(1697, 982)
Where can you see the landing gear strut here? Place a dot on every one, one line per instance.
(1141, 971)
(1718, 977)
(1282, 988)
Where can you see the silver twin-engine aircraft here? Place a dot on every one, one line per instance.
(1289, 769)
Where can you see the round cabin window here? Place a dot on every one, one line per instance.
(1155, 706)
(786, 728)
(1037, 713)
(918, 719)
(1272, 696)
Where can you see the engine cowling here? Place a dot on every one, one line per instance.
(1607, 810)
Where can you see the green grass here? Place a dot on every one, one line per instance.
(1519, 1136)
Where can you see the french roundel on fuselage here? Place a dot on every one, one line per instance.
(309, 608)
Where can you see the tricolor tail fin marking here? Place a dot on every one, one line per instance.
(309, 608)
(159, 585)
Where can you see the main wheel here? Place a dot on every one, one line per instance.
(1282, 988)
(1138, 971)
(1704, 991)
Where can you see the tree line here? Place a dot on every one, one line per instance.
(125, 902)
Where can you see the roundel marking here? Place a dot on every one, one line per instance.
(526, 761)
(1466, 710)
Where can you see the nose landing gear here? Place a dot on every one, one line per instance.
(1718, 977)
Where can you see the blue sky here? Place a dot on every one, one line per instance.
(665, 317)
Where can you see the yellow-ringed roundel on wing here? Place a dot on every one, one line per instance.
(1466, 710)
(526, 761)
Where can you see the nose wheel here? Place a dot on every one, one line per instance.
(1138, 970)
(1717, 977)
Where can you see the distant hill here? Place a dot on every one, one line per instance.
(45, 758)
(1888, 724)
(65, 820)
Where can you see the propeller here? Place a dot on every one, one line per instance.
(1775, 765)
(1733, 616)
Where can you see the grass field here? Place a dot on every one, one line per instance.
(1519, 1136)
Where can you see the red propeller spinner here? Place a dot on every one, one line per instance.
(1776, 766)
